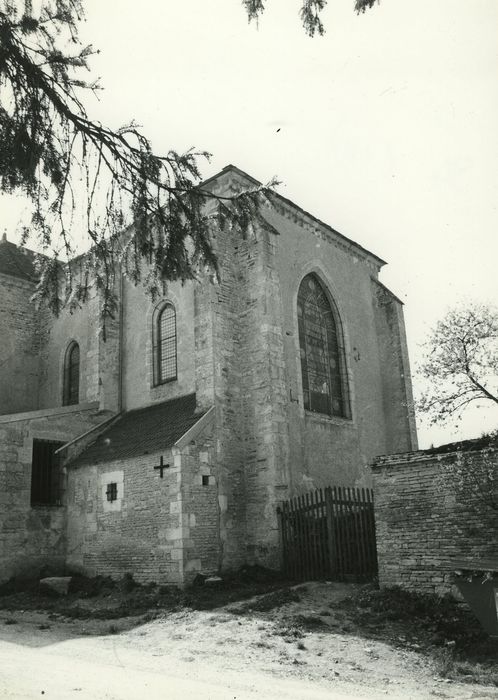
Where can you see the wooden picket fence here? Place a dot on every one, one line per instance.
(329, 533)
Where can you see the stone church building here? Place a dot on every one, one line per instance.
(164, 450)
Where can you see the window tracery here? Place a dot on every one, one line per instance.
(164, 344)
(323, 364)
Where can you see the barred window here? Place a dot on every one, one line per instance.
(164, 344)
(112, 492)
(71, 388)
(323, 364)
(45, 474)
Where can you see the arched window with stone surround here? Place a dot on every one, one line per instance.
(323, 362)
(164, 343)
(71, 386)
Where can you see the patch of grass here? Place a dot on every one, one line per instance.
(10, 621)
(448, 665)
(150, 615)
(91, 587)
(442, 617)
(273, 600)
(18, 584)
(447, 631)
(103, 598)
(128, 583)
(291, 633)
(310, 623)
(299, 662)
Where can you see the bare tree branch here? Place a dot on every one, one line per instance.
(461, 364)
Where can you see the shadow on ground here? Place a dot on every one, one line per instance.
(438, 629)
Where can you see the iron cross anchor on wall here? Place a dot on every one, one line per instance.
(161, 466)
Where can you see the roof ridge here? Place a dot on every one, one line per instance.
(157, 404)
(143, 430)
(300, 210)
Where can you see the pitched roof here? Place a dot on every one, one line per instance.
(16, 261)
(303, 212)
(142, 431)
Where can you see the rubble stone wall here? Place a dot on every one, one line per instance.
(33, 537)
(424, 521)
(18, 346)
(162, 529)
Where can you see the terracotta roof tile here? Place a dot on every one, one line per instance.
(16, 261)
(142, 431)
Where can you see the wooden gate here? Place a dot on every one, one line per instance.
(329, 533)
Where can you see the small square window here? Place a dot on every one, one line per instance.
(205, 480)
(112, 491)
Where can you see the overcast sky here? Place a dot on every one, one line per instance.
(385, 128)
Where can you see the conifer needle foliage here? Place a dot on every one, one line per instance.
(65, 162)
(309, 12)
(68, 164)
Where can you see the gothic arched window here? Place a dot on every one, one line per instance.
(323, 365)
(164, 344)
(71, 391)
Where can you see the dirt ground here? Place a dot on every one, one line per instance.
(305, 641)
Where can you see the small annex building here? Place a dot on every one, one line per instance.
(164, 449)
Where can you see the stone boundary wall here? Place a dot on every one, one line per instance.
(424, 521)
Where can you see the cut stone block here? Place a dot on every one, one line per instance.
(56, 584)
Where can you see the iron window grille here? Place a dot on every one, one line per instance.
(323, 364)
(46, 475)
(165, 345)
(71, 375)
(112, 491)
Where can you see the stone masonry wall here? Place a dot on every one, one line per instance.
(18, 346)
(137, 354)
(268, 446)
(99, 353)
(422, 526)
(159, 529)
(327, 450)
(264, 402)
(397, 395)
(232, 426)
(82, 326)
(139, 533)
(32, 537)
(202, 508)
(250, 399)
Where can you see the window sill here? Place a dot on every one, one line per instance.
(324, 419)
(166, 381)
(49, 506)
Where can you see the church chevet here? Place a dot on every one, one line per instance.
(163, 449)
